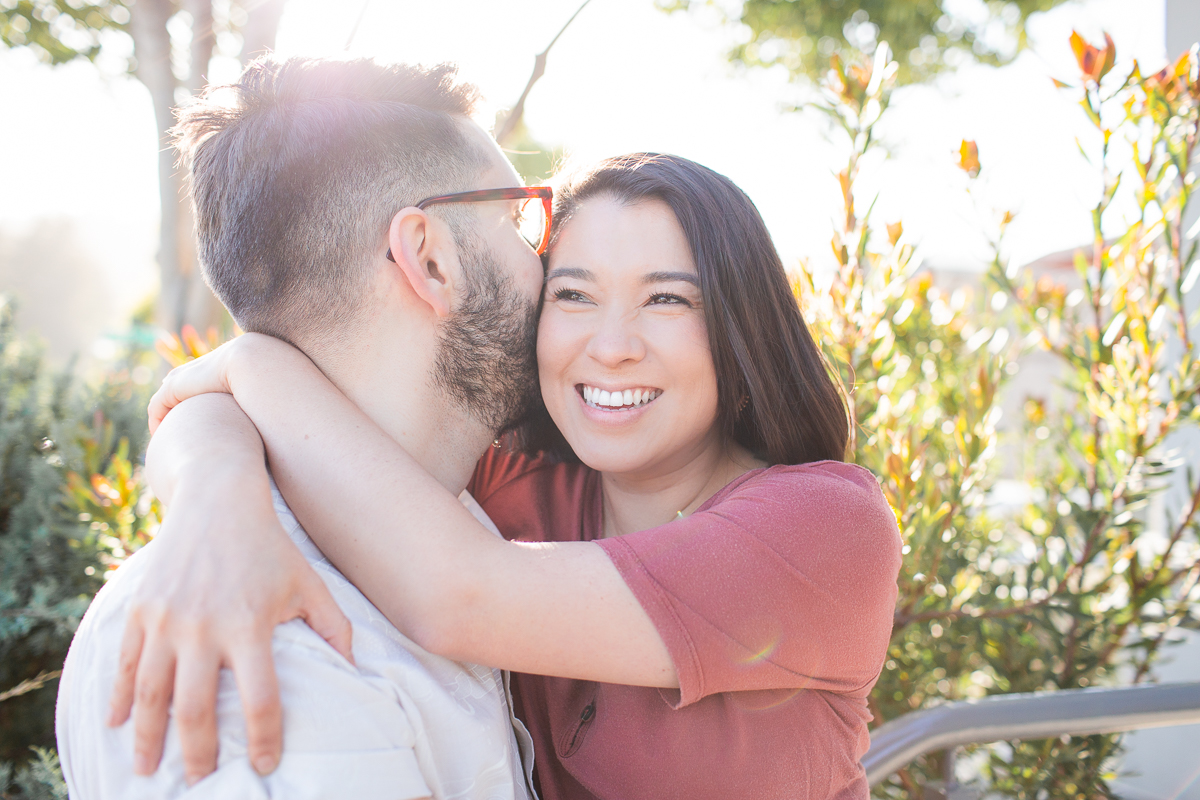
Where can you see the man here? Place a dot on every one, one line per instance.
(306, 177)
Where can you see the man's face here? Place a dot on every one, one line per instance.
(486, 359)
(496, 222)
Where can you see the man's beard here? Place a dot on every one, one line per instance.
(486, 358)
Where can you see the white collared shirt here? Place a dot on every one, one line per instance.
(402, 724)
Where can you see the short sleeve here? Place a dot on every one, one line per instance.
(786, 579)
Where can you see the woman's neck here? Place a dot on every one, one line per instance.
(636, 502)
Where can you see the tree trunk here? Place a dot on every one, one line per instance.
(152, 45)
(258, 34)
(201, 309)
(183, 296)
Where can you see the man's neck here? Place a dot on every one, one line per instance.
(399, 397)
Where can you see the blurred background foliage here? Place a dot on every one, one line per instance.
(72, 506)
(535, 161)
(1074, 584)
(168, 45)
(927, 36)
(1081, 578)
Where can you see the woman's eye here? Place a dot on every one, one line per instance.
(569, 295)
(664, 298)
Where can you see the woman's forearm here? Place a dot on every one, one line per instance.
(422, 557)
(204, 438)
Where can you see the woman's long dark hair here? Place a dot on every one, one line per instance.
(775, 393)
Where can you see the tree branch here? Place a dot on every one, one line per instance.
(951, 615)
(357, 22)
(32, 684)
(1182, 527)
(506, 129)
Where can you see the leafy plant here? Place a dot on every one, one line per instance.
(71, 508)
(189, 344)
(1073, 584)
(62, 32)
(39, 779)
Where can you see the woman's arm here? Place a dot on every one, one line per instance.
(222, 574)
(451, 585)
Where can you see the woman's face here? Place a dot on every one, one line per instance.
(623, 354)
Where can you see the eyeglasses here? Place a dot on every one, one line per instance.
(534, 210)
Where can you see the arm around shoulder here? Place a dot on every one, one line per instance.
(223, 574)
(366, 752)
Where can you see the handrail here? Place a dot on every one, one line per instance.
(1038, 715)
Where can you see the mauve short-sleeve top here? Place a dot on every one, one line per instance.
(775, 600)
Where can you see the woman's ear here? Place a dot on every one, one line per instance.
(425, 254)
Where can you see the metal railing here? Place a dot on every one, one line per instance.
(1040, 715)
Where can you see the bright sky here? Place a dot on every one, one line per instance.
(624, 77)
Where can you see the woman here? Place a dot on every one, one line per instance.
(696, 442)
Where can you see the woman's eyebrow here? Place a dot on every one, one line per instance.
(571, 272)
(666, 277)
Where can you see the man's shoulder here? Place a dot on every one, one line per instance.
(407, 711)
(340, 720)
(370, 625)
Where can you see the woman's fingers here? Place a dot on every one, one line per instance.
(324, 615)
(181, 383)
(199, 376)
(152, 700)
(223, 574)
(196, 681)
(254, 671)
(121, 700)
(158, 408)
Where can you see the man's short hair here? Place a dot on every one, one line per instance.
(297, 170)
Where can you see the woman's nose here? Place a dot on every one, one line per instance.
(615, 342)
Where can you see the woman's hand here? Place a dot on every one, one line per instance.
(223, 574)
(207, 374)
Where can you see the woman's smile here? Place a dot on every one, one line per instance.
(615, 407)
(616, 399)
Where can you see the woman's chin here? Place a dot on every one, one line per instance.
(609, 457)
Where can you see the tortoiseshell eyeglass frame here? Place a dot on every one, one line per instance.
(544, 193)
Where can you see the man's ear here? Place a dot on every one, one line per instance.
(426, 255)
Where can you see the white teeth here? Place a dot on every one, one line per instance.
(602, 398)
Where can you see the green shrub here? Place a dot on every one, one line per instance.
(71, 507)
(40, 778)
